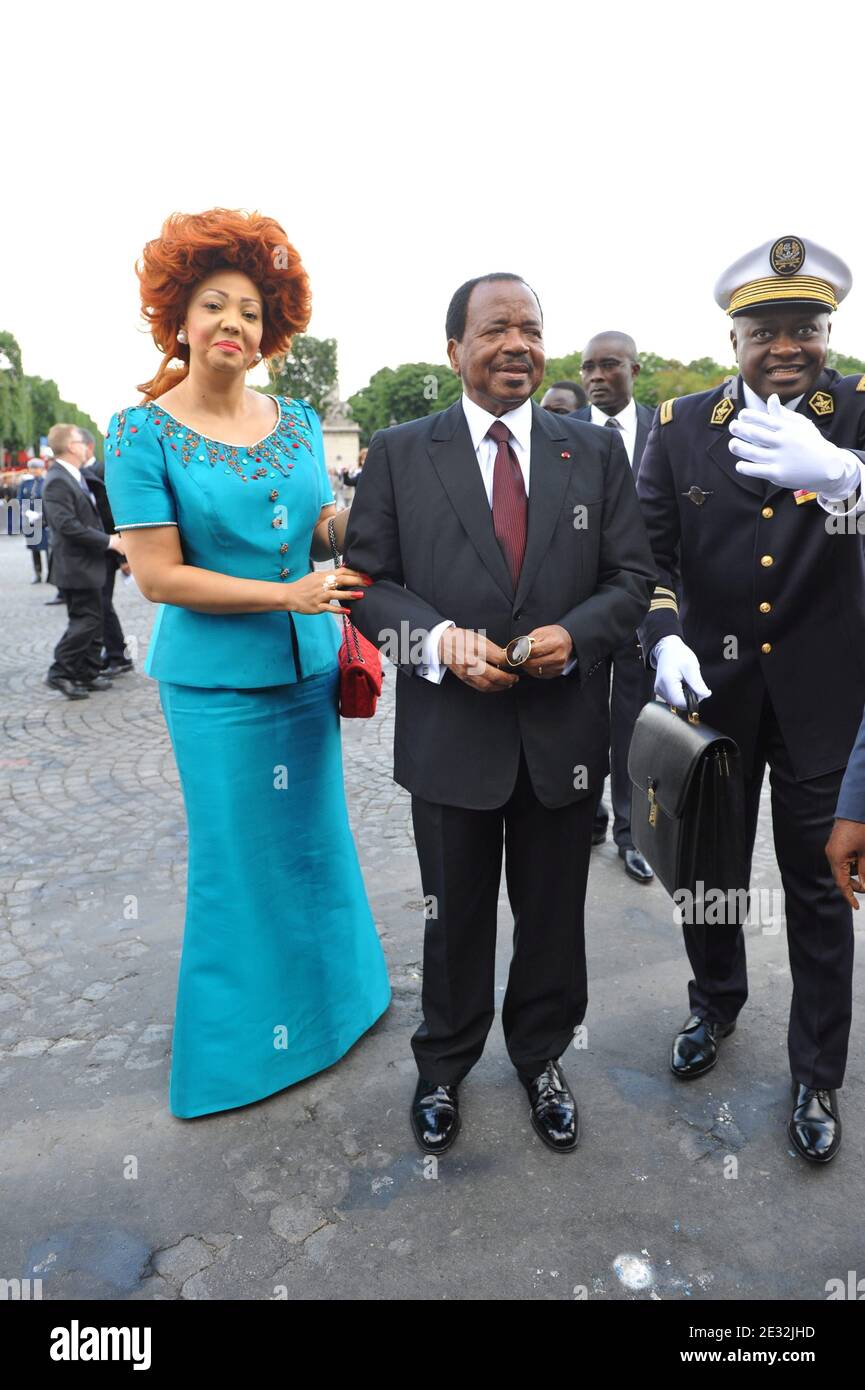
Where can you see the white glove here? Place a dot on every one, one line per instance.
(788, 450)
(676, 663)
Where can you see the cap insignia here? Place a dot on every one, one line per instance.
(787, 255)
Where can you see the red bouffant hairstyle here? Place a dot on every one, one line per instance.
(190, 247)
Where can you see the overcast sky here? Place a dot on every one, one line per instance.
(618, 157)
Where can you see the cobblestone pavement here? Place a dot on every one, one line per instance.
(676, 1192)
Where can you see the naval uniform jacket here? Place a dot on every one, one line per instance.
(773, 586)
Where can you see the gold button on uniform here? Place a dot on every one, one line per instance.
(765, 608)
(766, 561)
(767, 512)
(766, 648)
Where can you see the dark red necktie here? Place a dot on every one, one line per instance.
(510, 506)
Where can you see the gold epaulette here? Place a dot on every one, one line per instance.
(861, 386)
(663, 598)
(666, 410)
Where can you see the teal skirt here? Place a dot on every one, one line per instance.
(281, 969)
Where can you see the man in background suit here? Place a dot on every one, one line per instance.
(116, 662)
(564, 398)
(485, 523)
(78, 564)
(609, 368)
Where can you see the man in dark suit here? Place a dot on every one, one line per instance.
(78, 564)
(116, 662)
(609, 368)
(489, 522)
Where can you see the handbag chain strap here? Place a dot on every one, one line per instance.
(348, 627)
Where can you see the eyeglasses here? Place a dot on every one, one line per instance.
(518, 650)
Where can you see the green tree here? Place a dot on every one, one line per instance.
(45, 400)
(308, 372)
(847, 366)
(663, 377)
(395, 395)
(16, 416)
(30, 405)
(560, 369)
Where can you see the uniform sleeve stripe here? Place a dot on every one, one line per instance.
(663, 603)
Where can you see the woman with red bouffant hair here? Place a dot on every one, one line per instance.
(222, 499)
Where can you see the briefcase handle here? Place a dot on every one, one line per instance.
(693, 705)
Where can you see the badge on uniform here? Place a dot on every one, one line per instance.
(697, 495)
(822, 403)
(803, 495)
(722, 412)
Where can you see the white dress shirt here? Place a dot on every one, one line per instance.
(519, 422)
(627, 419)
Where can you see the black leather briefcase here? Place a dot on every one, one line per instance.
(687, 800)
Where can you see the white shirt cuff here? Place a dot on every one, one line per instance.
(430, 667)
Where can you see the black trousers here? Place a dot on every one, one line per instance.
(631, 687)
(77, 654)
(37, 559)
(112, 633)
(546, 866)
(819, 922)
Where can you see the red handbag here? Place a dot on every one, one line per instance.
(360, 673)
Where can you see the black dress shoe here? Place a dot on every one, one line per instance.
(695, 1048)
(50, 602)
(635, 865)
(70, 689)
(435, 1116)
(117, 668)
(97, 683)
(599, 833)
(815, 1125)
(553, 1109)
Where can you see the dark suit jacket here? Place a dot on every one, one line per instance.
(422, 528)
(94, 476)
(644, 424)
(78, 538)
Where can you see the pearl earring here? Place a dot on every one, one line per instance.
(181, 335)
(257, 357)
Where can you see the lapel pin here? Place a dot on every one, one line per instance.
(565, 454)
(696, 495)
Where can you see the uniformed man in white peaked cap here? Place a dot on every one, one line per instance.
(750, 493)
